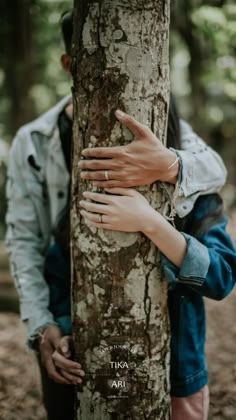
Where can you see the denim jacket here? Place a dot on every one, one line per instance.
(37, 190)
(208, 269)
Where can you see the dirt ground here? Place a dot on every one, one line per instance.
(20, 397)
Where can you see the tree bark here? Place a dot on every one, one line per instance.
(120, 315)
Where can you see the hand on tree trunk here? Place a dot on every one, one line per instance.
(123, 209)
(141, 162)
(54, 352)
(70, 370)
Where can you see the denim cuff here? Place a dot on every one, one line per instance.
(65, 324)
(194, 268)
(35, 322)
(31, 341)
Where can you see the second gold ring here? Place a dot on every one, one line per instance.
(106, 175)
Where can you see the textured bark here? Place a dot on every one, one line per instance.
(119, 299)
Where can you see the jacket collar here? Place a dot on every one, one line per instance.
(47, 122)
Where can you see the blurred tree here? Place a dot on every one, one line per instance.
(3, 170)
(203, 42)
(16, 59)
(183, 25)
(119, 301)
(31, 79)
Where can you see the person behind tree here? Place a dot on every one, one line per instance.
(198, 259)
(38, 191)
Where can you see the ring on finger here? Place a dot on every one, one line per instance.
(106, 175)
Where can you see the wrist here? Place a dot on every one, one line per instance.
(151, 222)
(173, 169)
(42, 331)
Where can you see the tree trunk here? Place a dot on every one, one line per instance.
(120, 314)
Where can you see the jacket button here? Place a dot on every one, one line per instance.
(60, 194)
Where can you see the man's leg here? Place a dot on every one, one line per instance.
(194, 407)
(58, 399)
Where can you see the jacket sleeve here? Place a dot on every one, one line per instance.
(25, 241)
(202, 170)
(209, 266)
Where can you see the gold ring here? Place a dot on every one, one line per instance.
(106, 175)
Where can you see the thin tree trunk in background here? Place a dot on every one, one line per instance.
(17, 60)
(120, 314)
(185, 27)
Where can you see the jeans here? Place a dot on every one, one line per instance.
(58, 399)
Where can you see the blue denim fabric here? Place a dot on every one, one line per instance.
(57, 275)
(208, 269)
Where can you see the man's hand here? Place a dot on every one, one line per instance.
(54, 352)
(141, 162)
(71, 371)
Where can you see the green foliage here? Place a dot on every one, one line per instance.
(217, 28)
(207, 18)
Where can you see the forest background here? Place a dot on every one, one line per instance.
(203, 79)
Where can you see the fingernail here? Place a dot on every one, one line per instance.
(81, 372)
(120, 113)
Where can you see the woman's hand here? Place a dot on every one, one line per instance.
(129, 211)
(70, 371)
(125, 210)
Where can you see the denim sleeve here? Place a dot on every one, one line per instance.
(209, 266)
(25, 240)
(202, 170)
(65, 324)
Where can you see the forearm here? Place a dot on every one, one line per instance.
(167, 239)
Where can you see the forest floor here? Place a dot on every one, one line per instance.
(20, 396)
